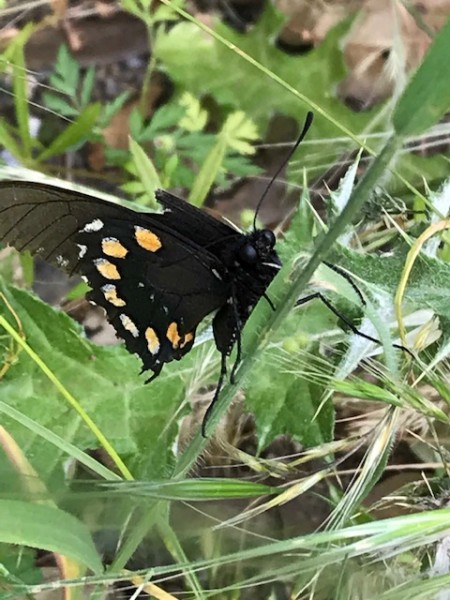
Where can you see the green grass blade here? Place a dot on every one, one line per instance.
(207, 174)
(20, 97)
(146, 171)
(75, 133)
(59, 442)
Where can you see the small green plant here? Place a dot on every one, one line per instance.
(70, 99)
(71, 91)
(184, 154)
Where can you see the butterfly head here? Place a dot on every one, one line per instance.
(259, 250)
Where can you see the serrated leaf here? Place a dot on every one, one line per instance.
(166, 117)
(284, 403)
(111, 108)
(76, 132)
(321, 69)
(47, 528)
(67, 72)
(59, 105)
(427, 287)
(195, 117)
(238, 129)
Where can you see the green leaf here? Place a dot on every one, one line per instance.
(75, 133)
(145, 170)
(111, 108)
(238, 130)
(208, 172)
(47, 528)
(59, 105)
(321, 69)
(67, 73)
(165, 118)
(195, 117)
(426, 97)
(427, 287)
(136, 123)
(8, 141)
(87, 86)
(18, 568)
(285, 403)
(136, 418)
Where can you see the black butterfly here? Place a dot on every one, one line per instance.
(157, 275)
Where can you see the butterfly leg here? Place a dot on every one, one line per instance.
(238, 356)
(334, 310)
(237, 329)
(347, 278)
(223, 373)
(269, 301)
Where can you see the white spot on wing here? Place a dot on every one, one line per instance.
(216, 274)
(83, 250)
(93, 226)
(62, 262)
(129, 325)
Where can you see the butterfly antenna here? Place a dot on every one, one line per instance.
(306, 126)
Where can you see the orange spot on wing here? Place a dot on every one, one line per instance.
(107, 269)
(147, 239)
(112, 247)
(152, 340)
(186, 339)
(110, 293)
(177, 340)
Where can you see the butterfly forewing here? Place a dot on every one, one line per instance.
(155, 285)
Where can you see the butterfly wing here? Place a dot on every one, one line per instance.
(155, 283)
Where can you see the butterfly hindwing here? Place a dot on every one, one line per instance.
(154, 288)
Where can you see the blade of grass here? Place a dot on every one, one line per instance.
(20, 83)
(60, 443)
(146, 171)
(74, 133)
(426, 98)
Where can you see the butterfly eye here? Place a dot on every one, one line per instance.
(268, 237)
(248, 254)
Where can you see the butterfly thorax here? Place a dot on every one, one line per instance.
(251, 264)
